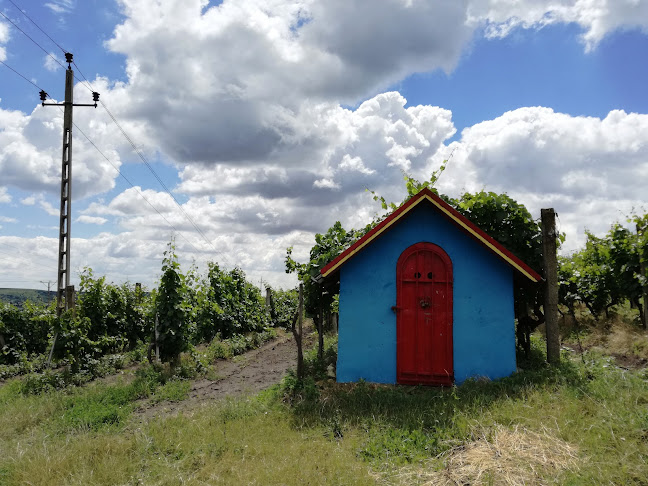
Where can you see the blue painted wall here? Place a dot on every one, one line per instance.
(483, 330)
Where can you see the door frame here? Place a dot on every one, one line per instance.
(443, 380)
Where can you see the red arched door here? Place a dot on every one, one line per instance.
(424, 316)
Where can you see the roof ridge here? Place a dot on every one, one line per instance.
(451, 213)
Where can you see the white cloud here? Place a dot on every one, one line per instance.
(91, 219)
(48, 208)
(597, 17)
(51, 64)
(354, 164)
(247, 99)
(592, 170)
(5, 219)
(30, 146)
(4, 38)
(326, 184)
(277, 64)
(61, 6)
(5, 197)
(351, 150)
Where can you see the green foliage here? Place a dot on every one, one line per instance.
(230, 305)
(24, 331)
(173, 323)
(100, 406)
(121, 312)
(327, 247)
(605, 272)
(172, 391)
(413, 187)
(37, 383)
(284, 306)
(401, 446)
(96, 408)
(505, 220)
(317, 367)
(25, 364)
(48, 380)
(237, 344)
(73, 343)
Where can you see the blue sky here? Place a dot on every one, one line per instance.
(268, 119)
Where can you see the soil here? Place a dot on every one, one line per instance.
(246, 374)
(624, 361)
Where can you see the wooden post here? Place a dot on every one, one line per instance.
(157, 344)
(300, 317)
(550, 259)
(643, 256)
(320, 331)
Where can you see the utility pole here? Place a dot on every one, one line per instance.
(49, 295)
(548, 217)
(63, 302)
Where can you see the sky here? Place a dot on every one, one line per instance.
(258, 123)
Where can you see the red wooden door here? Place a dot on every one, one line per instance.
(424, 316)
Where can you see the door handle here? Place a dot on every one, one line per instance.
(395, 308)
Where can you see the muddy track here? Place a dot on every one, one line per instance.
(247, 374)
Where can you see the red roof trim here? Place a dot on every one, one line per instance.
(450, 213)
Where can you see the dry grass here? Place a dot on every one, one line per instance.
(619, 335)
(497, 455)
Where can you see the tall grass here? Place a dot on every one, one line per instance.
(320, 432)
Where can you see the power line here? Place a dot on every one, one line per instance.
(31, 39)
(133, 186)
(149, 166)
(33, 22)
(115, 167)
(25, 78)
(121, 129)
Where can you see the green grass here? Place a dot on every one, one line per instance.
(325, 433)
(172, 391)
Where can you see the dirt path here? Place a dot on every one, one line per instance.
(247, 374)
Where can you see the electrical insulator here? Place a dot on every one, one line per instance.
(43, 95)
(95, 96)
(68, 57)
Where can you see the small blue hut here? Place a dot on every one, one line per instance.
(426, 297)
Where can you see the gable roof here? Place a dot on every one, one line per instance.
(453, 215)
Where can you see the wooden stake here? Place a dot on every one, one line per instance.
(157, 344)
(643, 255)
(550, 258)
(297, 333)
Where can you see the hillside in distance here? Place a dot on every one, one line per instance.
(18, 297)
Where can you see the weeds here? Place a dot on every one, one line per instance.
(238, 344)
(580, 423)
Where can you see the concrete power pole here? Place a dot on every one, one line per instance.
(63, 300)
